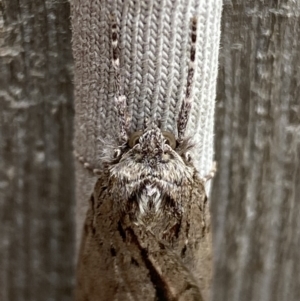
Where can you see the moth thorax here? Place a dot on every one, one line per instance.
(149, 199)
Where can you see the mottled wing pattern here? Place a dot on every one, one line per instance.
(120, 260)
(111, 265)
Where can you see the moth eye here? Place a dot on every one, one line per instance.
(170, 139)
(134, 138)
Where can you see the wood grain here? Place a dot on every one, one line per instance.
(36, 164)
(255, 196)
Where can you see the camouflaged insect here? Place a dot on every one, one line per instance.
(146, 234)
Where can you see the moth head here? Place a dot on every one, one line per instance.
(154, 146)
(153, 153)
(154, 136)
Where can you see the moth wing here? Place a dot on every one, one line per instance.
(110, 264)
(172, 279)
(200, 239)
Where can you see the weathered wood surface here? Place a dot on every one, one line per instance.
(36, 162)
(256, 193)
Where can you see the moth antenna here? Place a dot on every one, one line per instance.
(120, 98)
(187, 101)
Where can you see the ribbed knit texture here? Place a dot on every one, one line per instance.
(154, 46)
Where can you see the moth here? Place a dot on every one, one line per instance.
(146, 233)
